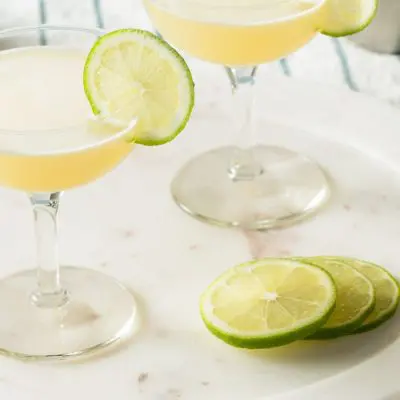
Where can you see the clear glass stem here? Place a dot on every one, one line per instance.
(49, 293)
(243, 165)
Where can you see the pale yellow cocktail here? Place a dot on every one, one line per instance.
(73, 101)
(237, 32)
(235, 186)
(55, 145)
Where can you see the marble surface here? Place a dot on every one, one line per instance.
(127, 226)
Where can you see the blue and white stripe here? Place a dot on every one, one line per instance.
(335, 62)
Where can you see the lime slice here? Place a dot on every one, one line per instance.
(386, 289)
(355, 298)
(346, 17)
(131, 74)
(268, 303)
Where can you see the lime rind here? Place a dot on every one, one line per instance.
(186, 88)
(366, 327)
(329, 331)
(395, 304)
(270, 341)
(337, 27)
(375, 319)
(267, 338)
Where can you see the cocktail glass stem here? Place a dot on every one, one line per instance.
(49, 292)
(249, 185)
(244, 164)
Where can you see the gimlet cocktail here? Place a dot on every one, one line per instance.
(250, 185)
(53, 138)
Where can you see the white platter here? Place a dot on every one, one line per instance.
(130, 228)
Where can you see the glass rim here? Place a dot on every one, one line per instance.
(316, 4)
(9, 32)
(55, 27)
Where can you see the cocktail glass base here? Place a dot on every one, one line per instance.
(290, 188)
(99, 312)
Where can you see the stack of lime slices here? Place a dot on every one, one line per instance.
(273, 302)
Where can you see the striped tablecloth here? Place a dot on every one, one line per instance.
(332, 61)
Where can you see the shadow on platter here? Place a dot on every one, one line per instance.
(345, 352)
(122, 344)
(393, 396)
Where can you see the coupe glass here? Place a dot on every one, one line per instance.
(55, 312)
(248, 185)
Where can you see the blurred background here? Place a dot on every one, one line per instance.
(366, 62)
